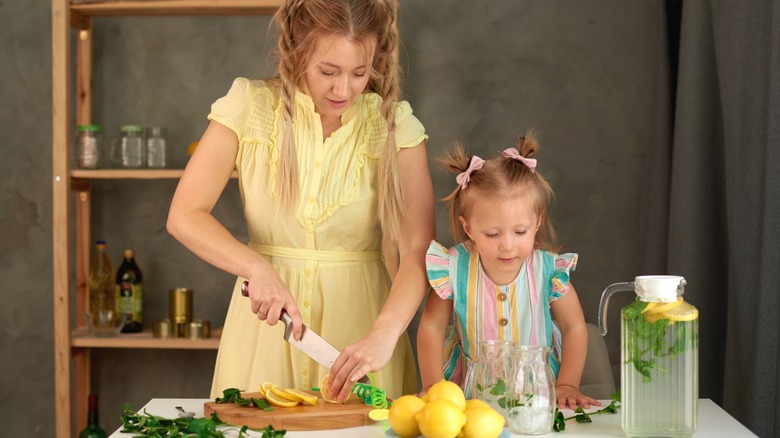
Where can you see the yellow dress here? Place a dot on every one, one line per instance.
(329, 253)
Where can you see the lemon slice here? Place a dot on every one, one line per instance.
(282, 392)
(378, 414)
(684, 312)
(305, 397)
(264, 387)
(279, 401)
(324, 386)
(661, 307)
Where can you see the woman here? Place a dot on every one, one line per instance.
(332, 169)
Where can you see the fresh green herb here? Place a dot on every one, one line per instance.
(233, 395)
(646, 339)
(152, 426)
(499, 388)
(559, 425)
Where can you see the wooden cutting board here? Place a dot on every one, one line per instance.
(325, 415)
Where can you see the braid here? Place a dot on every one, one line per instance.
(391, 207)
(287, 176)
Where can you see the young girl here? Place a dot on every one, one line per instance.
(331, 167)
(504, 276)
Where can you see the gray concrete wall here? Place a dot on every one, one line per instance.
(590, 75)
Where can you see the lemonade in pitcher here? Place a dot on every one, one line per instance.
(659, 358)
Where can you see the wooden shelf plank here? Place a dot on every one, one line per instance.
(173, 7)
(131, 174)
(145, 339)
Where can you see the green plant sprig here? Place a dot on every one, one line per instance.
(559, 425)
(151, 426)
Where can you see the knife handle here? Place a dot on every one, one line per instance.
(284, 317)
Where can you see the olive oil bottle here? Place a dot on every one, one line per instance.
(129, 294)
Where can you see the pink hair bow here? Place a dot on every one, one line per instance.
(515, 155)
(464, 177)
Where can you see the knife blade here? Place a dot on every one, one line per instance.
(311, 344)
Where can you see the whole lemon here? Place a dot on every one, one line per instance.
(483, 423)
(446, 390)
(441, 419)
(402, 416)
(476, 403)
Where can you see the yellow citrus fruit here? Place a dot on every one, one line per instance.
(441, 419)
(305, 397)
(681, 311)
(402, 415)
(446, 390)
(476, 403)
(652, 308)
(191, 147)
(483, 422)
(324, 386)
(278, 400)
(284, 393)
(378, 414)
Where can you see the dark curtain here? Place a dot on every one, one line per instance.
(723, 185)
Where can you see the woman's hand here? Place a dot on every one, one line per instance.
(270, 296)
(571, 397)
(370, 353)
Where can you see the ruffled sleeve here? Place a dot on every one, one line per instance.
(409, 132)
(232, 110)
(564, 264)
(437, 264)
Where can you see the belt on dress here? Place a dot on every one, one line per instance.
(315, 254)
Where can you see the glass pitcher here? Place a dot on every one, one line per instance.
(531, 400)
(659, 356)
(491, 373)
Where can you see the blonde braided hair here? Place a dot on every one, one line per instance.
(300, 24)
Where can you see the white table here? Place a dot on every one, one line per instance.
(713, 421)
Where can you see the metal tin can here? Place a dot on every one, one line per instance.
(180, 305)
(197, 329)
(163, 329)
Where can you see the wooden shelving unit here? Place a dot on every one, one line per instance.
(72, 344)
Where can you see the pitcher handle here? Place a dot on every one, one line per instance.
(608, 292)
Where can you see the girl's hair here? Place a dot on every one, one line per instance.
(500, 179)
(302, 23)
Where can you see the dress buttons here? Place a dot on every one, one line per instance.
(502, 297)
(306, 303)
(503, 322)
(305, 371)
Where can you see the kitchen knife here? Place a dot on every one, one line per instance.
(311, 343)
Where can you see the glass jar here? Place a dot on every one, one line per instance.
(128, 150)
(88, 146)
(156, 154)
(491, 373)
(531, 400)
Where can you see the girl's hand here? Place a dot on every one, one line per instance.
(370, 353)
(270, 296)
(571, 397)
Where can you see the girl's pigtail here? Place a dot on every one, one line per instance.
(456, 162)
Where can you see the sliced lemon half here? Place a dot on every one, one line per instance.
(305, 397)
(279, 401)
(324, 387)
(378, 414)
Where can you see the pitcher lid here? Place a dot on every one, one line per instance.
(665, 288)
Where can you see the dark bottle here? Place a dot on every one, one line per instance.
(129, 294)
(93, 429)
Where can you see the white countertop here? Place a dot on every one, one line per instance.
(713, 421)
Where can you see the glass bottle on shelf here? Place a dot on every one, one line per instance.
(156, 154)
(129, 294)
(102, 306)
(93, 429)
(88, 146)
(128, 150)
